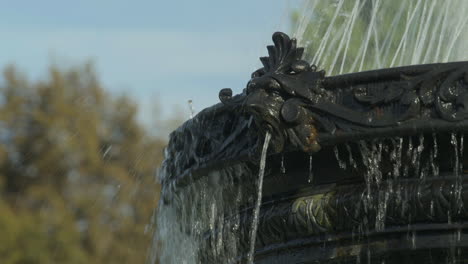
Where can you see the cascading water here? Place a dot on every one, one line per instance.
(388, 161)
(199, 222)
(198, 211)
(258, 203)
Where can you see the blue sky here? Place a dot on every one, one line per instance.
(156, 51)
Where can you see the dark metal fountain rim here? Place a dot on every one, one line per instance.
(386, 73)
(307, 110)
(398, 129)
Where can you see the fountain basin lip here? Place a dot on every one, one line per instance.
(422, 123)
(385, 74)
(425, 118)
(422, 126)
(429, 117)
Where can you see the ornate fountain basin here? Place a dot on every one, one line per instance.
(361, 166)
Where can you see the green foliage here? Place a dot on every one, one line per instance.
(76, 172)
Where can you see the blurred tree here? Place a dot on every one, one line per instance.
(77, 171)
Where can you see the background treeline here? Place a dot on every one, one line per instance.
(77, 171)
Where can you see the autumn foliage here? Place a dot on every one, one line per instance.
(77, 172)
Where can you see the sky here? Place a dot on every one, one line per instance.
(159, 52)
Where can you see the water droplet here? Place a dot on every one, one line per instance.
(432, 208)
(283, 168)
(352, 162)
(311, 173)
(341, 163)
(108, 149)
(413, 239)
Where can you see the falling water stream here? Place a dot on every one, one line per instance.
(283, 167)
(261, 173)
(311, 172)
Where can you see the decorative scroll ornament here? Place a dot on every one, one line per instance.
(302, 108)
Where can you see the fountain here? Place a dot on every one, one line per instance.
(302, 167)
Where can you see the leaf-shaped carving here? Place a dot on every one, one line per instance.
(282, 55)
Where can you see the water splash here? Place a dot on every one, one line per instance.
(347, 36)
(191, 109)
(261, 173)
(213, 198)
